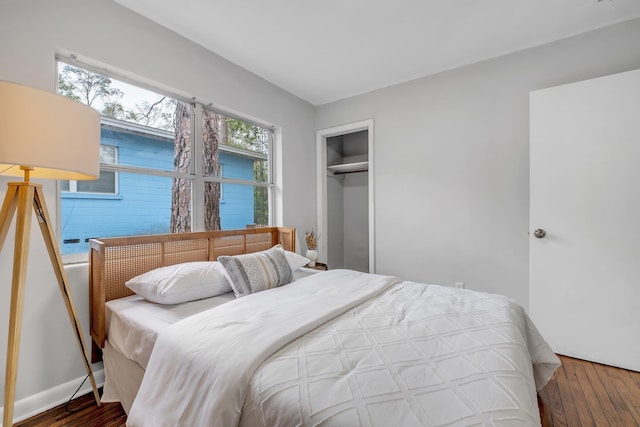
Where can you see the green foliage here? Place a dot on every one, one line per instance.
(261, 205)
(86, 87)
(113, 109)
(261, 194)
(97, 91)
(253, 138)
(66, 88)
(247, 136)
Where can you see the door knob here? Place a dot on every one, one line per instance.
(539, 233)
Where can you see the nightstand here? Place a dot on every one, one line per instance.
(318, 266)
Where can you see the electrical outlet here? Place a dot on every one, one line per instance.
(459, 285)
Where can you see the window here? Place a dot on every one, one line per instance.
(162, 165)
(105, 184)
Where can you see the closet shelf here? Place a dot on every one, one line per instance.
(349, 167)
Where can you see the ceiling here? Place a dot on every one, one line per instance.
(327, 50)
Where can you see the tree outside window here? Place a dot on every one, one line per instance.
(150, 135)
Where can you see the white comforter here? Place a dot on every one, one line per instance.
(379, 352)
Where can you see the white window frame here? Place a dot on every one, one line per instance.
(195, 174)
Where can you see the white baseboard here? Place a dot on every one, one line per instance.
(45, 400)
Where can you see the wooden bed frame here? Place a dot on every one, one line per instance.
(113, 261)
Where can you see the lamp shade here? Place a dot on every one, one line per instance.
(54, 136)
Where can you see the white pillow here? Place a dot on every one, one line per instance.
(296, 261)
(179, 283)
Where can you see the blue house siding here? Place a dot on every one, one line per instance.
(236, 204)
(142, 204)
(139, 150)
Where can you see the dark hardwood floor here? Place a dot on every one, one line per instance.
(585, 394)
(580, 394)
(82, 412)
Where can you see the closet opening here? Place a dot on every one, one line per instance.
(345, 196)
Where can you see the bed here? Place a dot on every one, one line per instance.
(335, 348)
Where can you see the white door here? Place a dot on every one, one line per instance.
(585, 193)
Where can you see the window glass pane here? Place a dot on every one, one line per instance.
(145, 131)
(241, 146)
(180, 205)
(108, 154)
(213, 209)
(141, 150)
(105, 184)
(153, 120)
(261, 171)
(143, 206)
(247, 136)
(243, 206)
(261, 206)
(214, 133)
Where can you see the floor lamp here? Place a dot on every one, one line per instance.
(42, 135)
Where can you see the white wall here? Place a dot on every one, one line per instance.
(451, 153)
(452, 159)
(31, 33)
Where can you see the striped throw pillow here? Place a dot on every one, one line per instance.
(258, 271)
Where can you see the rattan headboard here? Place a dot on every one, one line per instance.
(115, 260)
